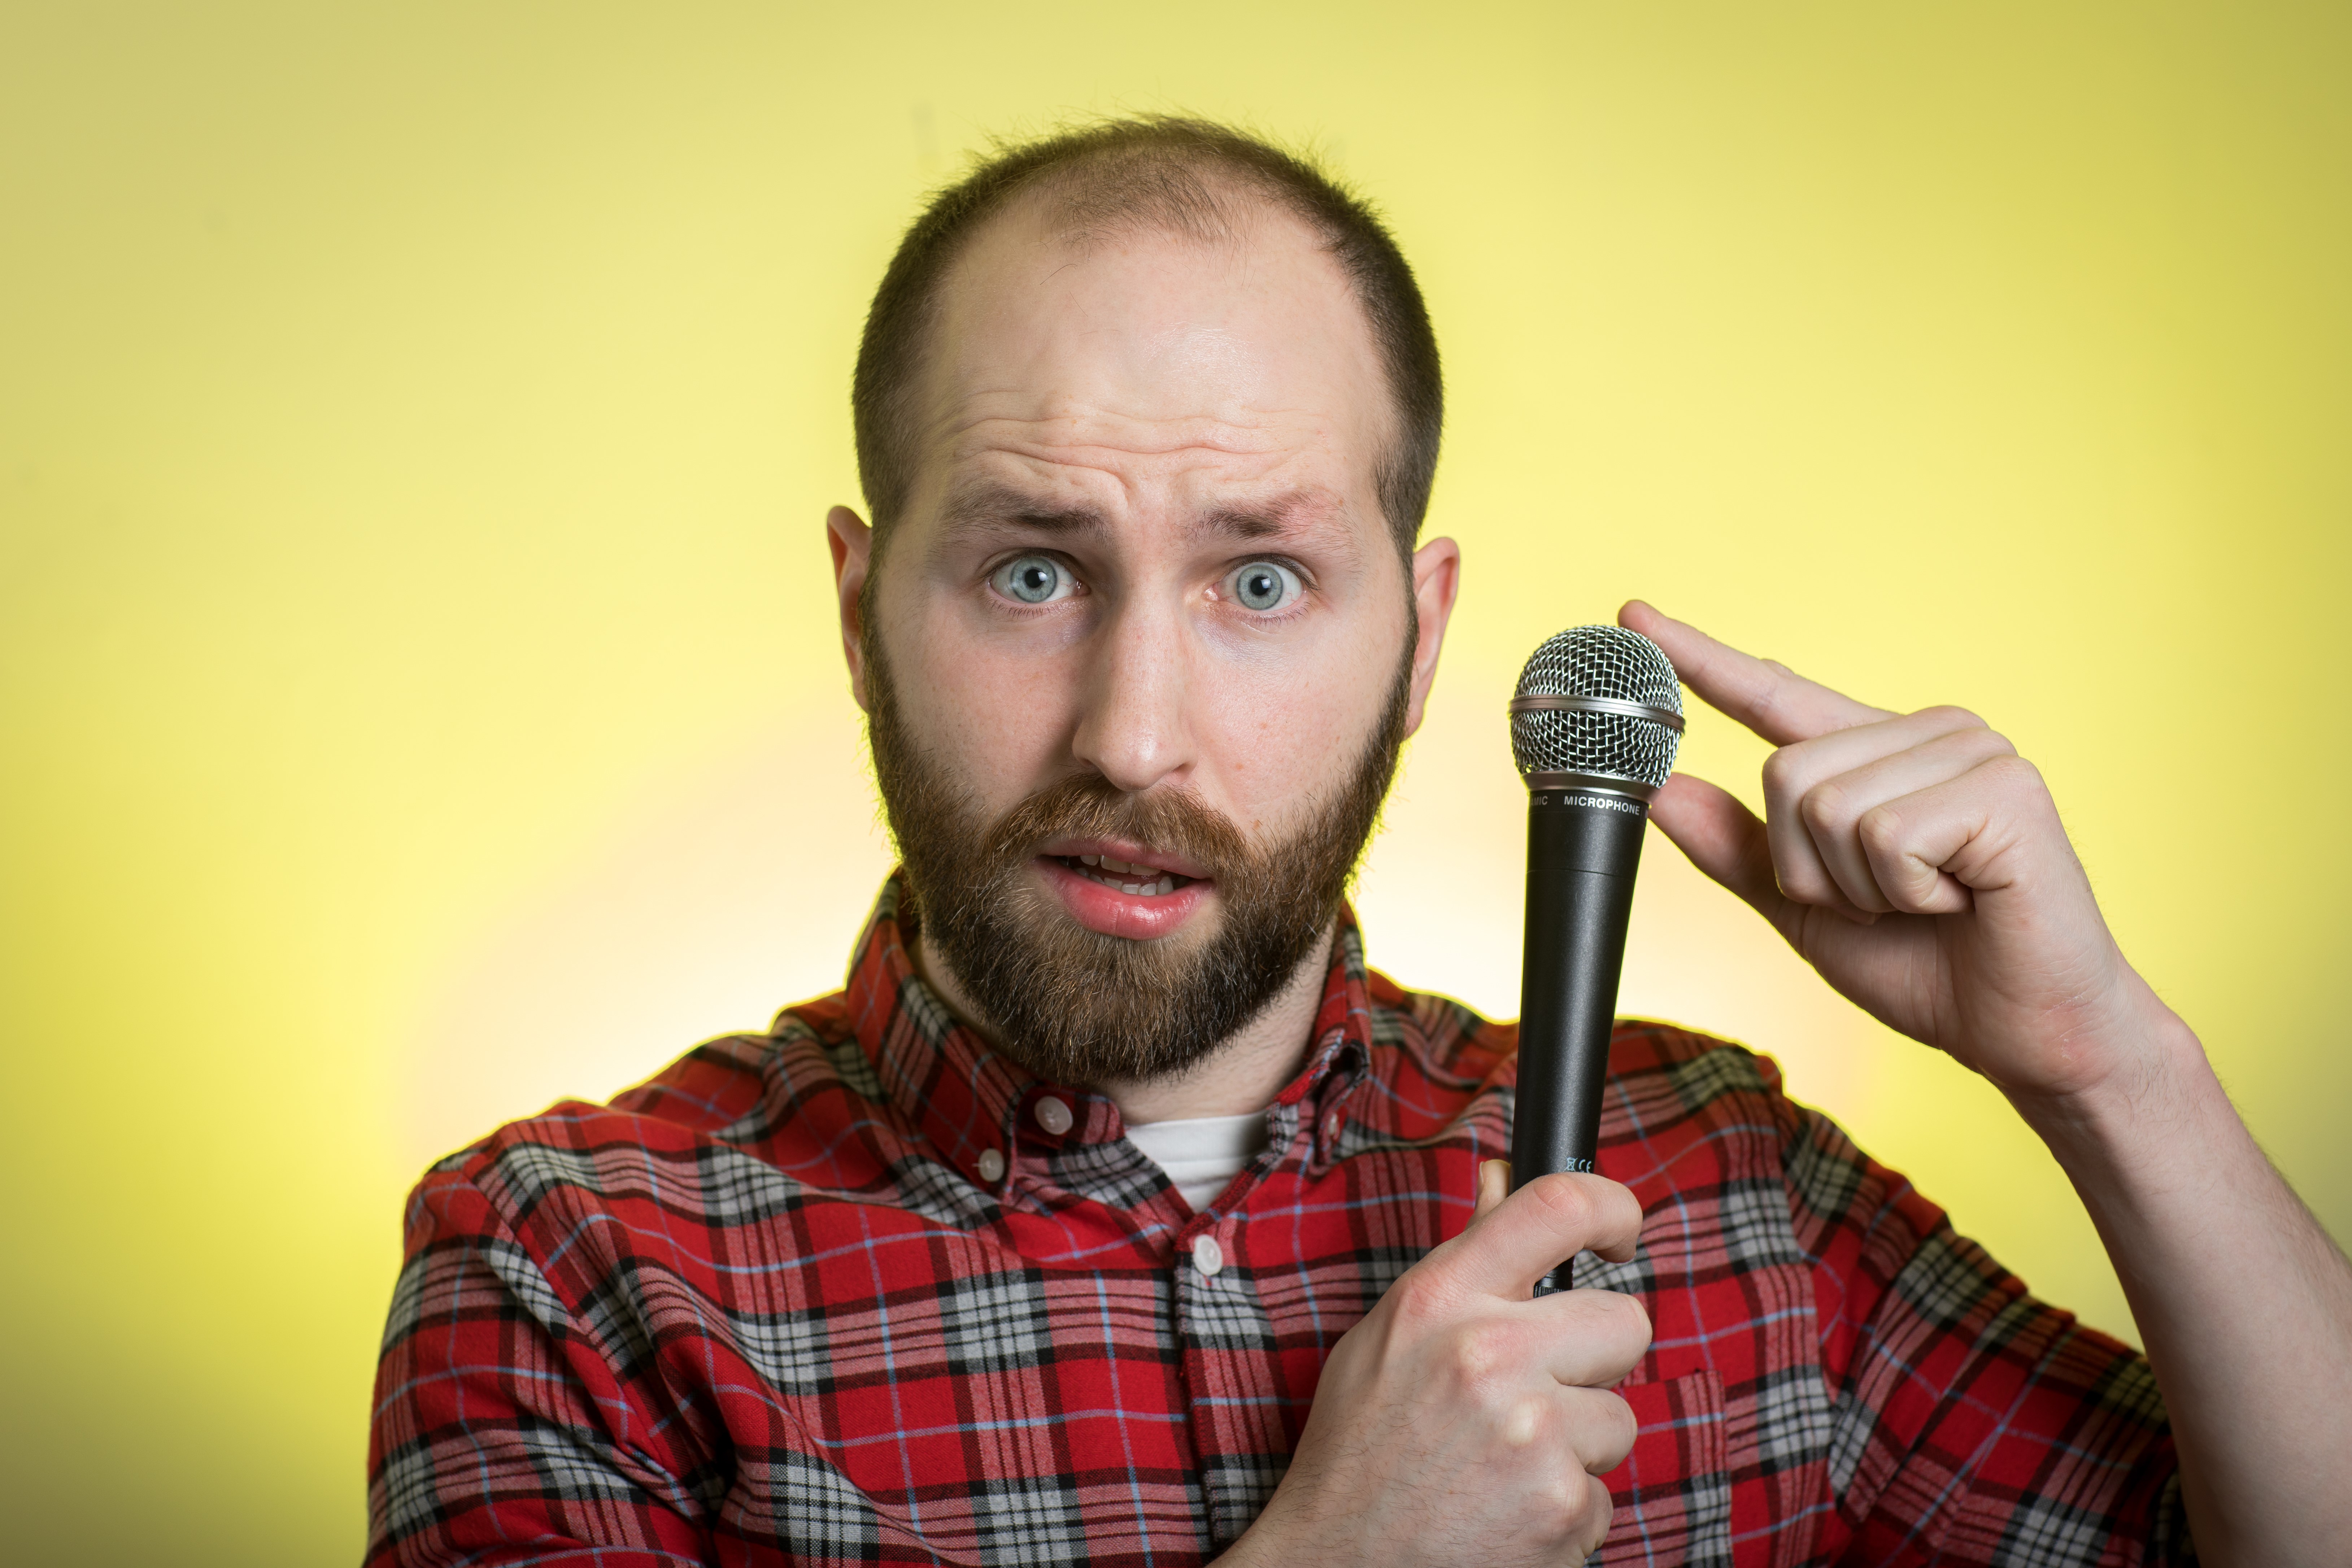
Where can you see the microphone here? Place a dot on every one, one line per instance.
(1594, 726)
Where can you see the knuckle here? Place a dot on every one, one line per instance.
(1525, 1421)
(1783, 770)
(1612, 1212)
(1956, 716)
(1804, 882)
(1914, 893)
(1628, 1210)
(1473, 1355)
(1585, 1507)
(1571, 1507)
(1416, 1299)
(1563, 1199)
(1561, 1494)
(1601, 1512)
(2014, 773)
(1633, 1319)
(1619, 1428)
(1618, 1323)
(1825, 808)
(1555, 1509)
(1881, 830)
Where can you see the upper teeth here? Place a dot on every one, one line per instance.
(1134, 879)
(1116, 868)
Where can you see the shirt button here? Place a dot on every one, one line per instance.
(1207, 1256)
(1053, 1116)
(992, 1165)
(1332, 1127)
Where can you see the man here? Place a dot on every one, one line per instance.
(1116, 1212)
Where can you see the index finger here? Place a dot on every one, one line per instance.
(1507, 1249)
(1770, 698)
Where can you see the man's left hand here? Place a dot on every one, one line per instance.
(1917, 862)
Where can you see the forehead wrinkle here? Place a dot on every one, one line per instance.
(1041, 435)
(985, 501)
(1053, 469)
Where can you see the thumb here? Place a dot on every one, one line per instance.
(1493, 1186)
(1520, 1240)
(1721, 838)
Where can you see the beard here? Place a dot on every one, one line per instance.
(1074, 1006)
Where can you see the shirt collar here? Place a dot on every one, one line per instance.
(969, 1099)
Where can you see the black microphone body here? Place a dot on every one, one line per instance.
(1595, 724)
(1583, 850)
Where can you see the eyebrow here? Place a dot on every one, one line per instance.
(1289, 512)
(990, 506)
(993, 506)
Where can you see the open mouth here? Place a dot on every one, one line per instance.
(1136, 882)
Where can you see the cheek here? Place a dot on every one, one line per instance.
(1001, 721)
(1273, 736)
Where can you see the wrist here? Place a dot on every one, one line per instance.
(2148, 1109)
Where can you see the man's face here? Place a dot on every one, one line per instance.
(1143, 647)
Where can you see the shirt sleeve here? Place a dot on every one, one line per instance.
(500, 1434)
(1972, 1423)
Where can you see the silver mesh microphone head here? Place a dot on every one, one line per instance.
(1597, 708)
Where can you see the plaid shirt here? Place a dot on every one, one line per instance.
(838, 1293)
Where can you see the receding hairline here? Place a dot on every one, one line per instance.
(1195, 179)
(1236, 204)
(1193, 194)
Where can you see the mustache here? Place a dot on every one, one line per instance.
(1089, 805)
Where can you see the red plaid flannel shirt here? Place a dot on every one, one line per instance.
(835, 1294)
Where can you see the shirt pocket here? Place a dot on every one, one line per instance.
(1673, 1490)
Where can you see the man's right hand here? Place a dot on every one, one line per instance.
(1465, 1420)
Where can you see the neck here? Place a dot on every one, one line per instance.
(1244, 1072)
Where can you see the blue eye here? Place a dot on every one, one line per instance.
(1032, 579)
(1265, 585)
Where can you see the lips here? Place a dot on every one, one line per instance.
(1135, 894)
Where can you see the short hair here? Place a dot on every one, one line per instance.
(1168, 172)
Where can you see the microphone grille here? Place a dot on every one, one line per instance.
(1606, 662)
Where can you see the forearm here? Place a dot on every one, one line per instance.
(2244, 1302)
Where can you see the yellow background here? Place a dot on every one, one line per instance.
(420, 688)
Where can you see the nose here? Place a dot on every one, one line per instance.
(1134, 730)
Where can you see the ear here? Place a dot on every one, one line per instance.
(1436, 577)
(852, 543)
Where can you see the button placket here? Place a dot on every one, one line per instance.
(1235, 1391)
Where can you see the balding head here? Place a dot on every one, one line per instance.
(1188, 181)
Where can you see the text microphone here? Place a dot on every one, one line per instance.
(1594, 726)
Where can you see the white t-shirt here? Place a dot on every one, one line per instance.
(1202, 1153)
